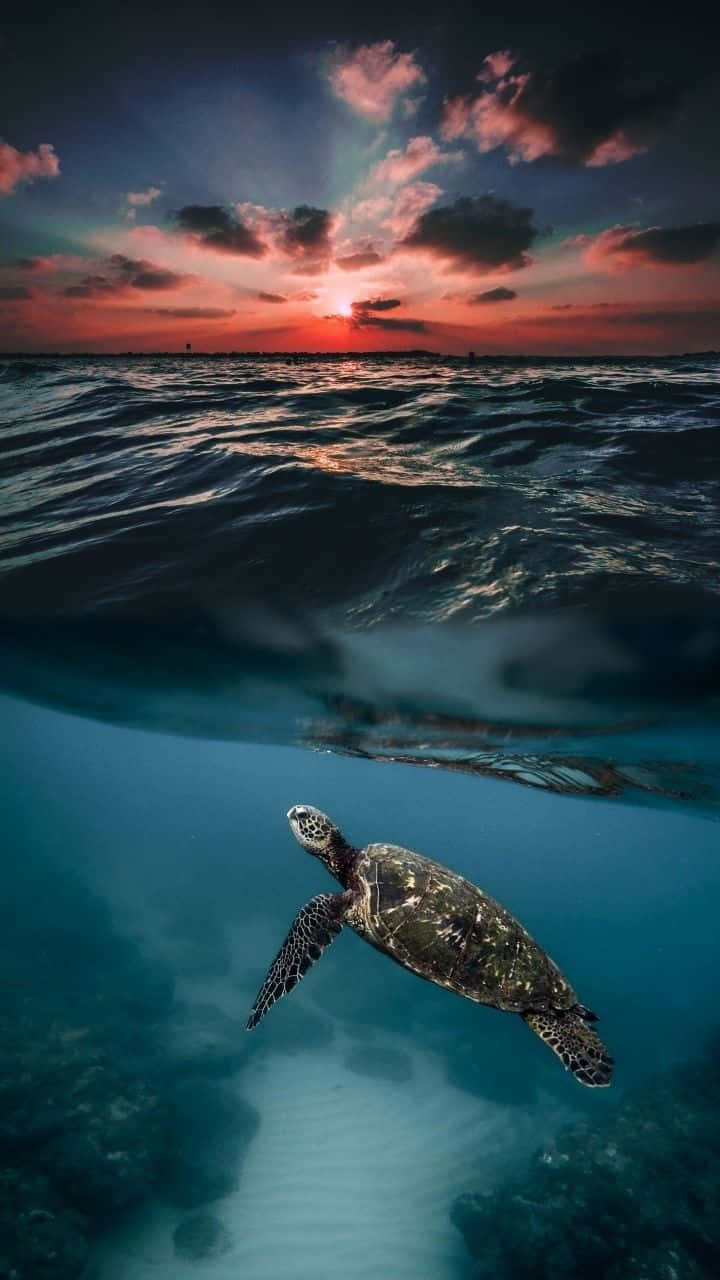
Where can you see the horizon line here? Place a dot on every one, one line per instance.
(359, 355)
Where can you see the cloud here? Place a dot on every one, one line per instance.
(370, 209)
(141, 274)
(377, 304)
(305, 295)
(41, 266)
(420, 153)
(143, 197)
(193, 313)
(214, 227)
(362, 320)
(18, 166)
(481, 232)
(364, 317)
(409, 204)
(304, 234)
(14, 293)
(591, 110)
(373, 77)
(356, 261)
(271, 297)
(622, 248)
(492, 295)
(91, 287)
(118, 274)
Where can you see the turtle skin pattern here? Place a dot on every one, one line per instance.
(312, 930)
(443, 928)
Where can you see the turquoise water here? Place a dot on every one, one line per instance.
(186, 841)
(471, 611)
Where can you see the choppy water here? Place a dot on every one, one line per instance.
(509, 570)
(410, 557)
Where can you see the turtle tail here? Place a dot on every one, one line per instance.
(578, 1047)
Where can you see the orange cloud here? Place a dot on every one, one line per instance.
(622, 248)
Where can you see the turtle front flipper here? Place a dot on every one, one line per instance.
(312, 930)
(578, 1047)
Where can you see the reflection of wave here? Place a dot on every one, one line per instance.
(491, 700)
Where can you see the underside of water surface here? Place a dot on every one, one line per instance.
(232, 586)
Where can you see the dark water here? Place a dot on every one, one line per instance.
(506, 570)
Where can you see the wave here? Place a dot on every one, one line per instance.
(410, 558)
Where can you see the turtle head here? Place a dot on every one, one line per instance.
(319, 836)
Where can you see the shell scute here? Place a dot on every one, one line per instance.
(443, 928)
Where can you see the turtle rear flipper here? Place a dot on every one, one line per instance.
(312, 930)
(578, 1047)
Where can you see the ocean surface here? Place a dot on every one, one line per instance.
(472, 609)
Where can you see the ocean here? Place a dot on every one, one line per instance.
(469, 609)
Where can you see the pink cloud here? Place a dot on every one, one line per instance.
(370, 210)
(496, 118)
(591, 110)
(373, 77)
(25, 166)
(409, 204)
(143, 197)
(496, 65)
(420, 153)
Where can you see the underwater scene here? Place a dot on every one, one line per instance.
(468, 611)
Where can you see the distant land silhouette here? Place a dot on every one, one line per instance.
(414, 353)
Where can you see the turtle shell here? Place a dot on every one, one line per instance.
(443, 928)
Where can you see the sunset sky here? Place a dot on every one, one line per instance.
(533, 179)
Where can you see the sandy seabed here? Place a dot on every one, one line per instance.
(349, 1175)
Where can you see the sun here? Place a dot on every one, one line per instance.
(343, 307)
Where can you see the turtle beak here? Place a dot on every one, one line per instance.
(297, 811)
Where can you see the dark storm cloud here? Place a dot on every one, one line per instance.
(217, 228)
(193, 313)
(271, 297)
(492, 295)
(356, 261)
(305, 235)
(480, 232)
(14, 293)
(670, 246)
(377, 304)
(593, 109)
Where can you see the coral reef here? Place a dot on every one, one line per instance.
(635, 1195)
(202, 1236)
(101, 1088)
(209, 1132)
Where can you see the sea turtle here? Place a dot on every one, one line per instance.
(440, 926)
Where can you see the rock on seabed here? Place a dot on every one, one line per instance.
(633, 1198)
